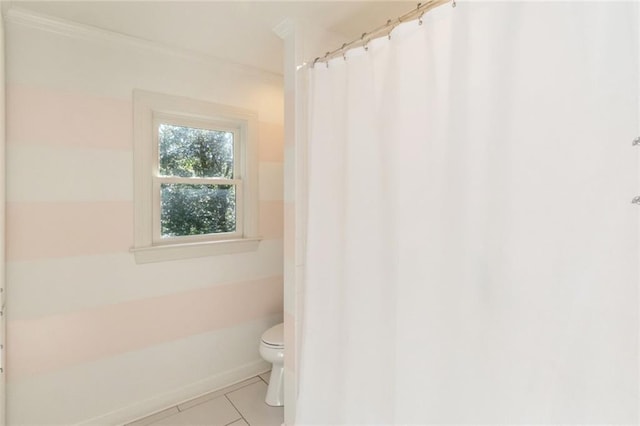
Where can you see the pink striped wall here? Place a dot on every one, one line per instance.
(52, 117)
(67, 118)
(88, 335)
(271, 143)
(46, 230)
(42, 230)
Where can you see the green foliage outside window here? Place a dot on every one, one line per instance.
(195, 209)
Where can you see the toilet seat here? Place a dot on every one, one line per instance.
(274, 337)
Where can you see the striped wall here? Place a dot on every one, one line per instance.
(2, 223)
(92, 337)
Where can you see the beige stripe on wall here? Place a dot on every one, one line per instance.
(50, 343)
(53, 230)
(66, 229)
(67, 119)
(76, 119)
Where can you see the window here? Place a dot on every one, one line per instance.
(195, 182)
(195, 178)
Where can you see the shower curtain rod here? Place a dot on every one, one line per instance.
(385, 29)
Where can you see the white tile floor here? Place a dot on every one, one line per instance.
(237, 405)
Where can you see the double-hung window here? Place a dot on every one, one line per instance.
(195, 178)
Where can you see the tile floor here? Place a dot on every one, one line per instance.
(236, 405)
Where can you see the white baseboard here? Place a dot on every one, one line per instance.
(161, 402)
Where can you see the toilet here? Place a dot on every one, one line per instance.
(272, 350)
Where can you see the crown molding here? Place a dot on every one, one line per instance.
(285, 28)
(71, 29)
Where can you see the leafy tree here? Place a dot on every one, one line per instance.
(194, 209)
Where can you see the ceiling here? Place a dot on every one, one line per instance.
(237, 31)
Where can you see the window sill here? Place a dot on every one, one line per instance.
(191, 250)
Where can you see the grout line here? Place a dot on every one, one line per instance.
(220, 392)
(234, 406)
(261, 374)
(239, 418)
(178, 410)
(155, 417)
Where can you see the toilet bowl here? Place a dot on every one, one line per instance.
(272, 351)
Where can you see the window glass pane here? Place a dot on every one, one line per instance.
(191, 152)
(197, 209)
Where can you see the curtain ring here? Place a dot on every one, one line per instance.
(392, 28)
(420, 19)
(453, 3)
(314, 61)
(365, 43)
(326, 61)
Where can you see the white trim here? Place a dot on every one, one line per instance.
(285, 28)
(198, 180)
(177, 119)
(16, 15)
(186, 393)
(160, 253)
(147, 108)
(3, 234)
(637, 17)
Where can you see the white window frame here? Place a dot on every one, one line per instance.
(149, 111)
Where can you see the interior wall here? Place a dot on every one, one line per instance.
(292, 46)
(92, 336)
(2, 225)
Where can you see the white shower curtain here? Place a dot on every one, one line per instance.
(472, 251)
